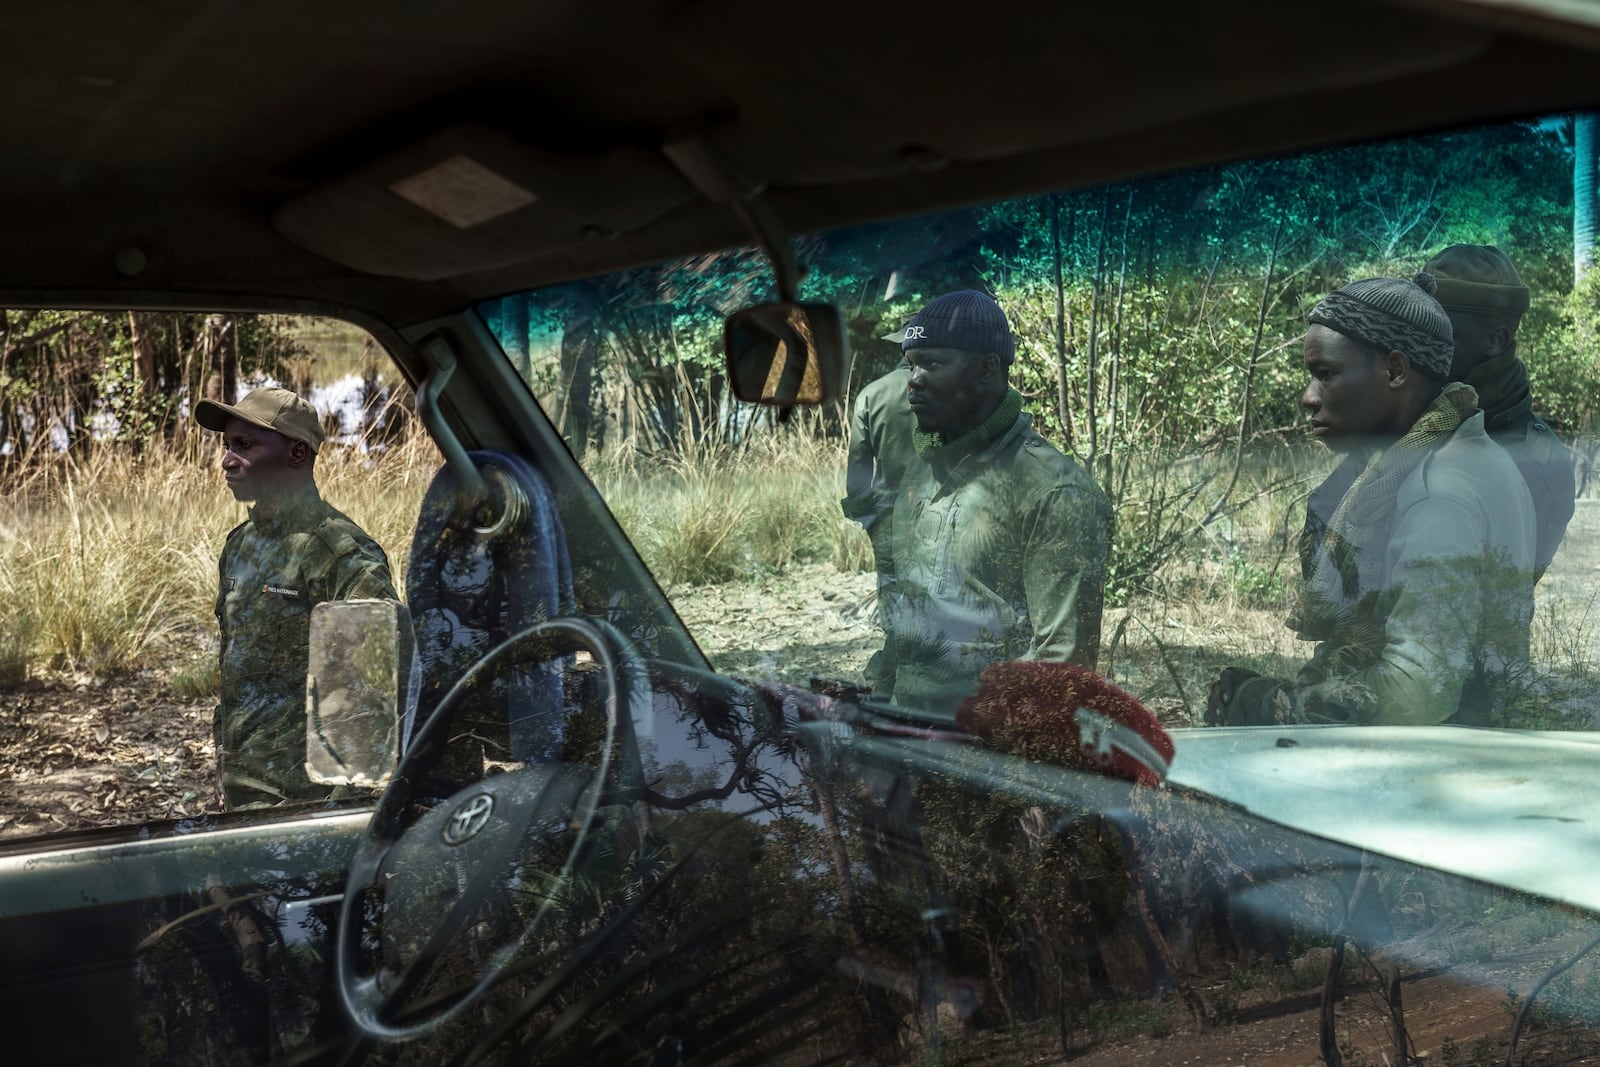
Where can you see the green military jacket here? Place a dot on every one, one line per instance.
(273, 569)
(999, 555)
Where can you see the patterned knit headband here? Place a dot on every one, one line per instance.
(1392, 314)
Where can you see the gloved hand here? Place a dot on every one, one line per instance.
(1241, 697)
(1222, 692)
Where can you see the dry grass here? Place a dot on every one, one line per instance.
(108, 560)
(733, 513)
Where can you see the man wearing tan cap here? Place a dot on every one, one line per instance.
(1485, 299)
(294, 551)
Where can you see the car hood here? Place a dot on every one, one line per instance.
(1514, 809)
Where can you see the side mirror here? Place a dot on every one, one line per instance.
(787, 354)
(354, 691)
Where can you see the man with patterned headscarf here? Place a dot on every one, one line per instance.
(1417, 557)
(1485, 299)
(1000, 541)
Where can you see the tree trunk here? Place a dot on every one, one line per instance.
(579, 342)
(1327, 1039)
(1094, 332)
(142, 334)
(221, 348)
(1397, 1017)
(1114, 374)
(514, 332)
(1583, 193)
(1063, 401)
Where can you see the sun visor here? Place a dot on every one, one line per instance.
(469, 199)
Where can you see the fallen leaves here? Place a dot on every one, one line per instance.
(78, 751)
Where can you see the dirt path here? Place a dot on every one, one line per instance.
(1449, 1020)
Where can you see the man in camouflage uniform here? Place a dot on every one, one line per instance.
(880, 455)
(1485, 299)
(294, 551)
(1000, 542)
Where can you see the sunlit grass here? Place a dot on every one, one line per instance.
(729, 513)
(108, 560)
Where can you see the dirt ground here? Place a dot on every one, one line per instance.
(1449, 1021)
(78, 752)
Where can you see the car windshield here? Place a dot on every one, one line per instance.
(1184, 604)
(1125, 448)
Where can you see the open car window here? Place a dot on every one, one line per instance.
(1159, 329)
(116, 511)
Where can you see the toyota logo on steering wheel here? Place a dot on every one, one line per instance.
(468, 820)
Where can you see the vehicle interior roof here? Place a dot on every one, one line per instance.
(250, 154)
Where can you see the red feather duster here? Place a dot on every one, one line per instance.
(1068, 715)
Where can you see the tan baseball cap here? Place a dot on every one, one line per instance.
(270, 408)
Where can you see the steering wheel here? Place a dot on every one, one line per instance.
(481, 864)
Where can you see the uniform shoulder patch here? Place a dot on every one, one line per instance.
(339, 535)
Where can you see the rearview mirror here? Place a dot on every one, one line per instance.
(786, 354)
(353, 692)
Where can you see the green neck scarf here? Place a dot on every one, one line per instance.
(939, 452)
(1502, 388)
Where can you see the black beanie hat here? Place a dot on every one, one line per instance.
(1392, 314)
(966, 319)
(1478, 278)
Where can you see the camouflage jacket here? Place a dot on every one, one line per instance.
(273, 569)
(1000, 555)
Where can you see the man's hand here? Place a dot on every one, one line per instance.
(1220, 699)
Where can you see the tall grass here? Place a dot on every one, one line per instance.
(108, 559)
(726, 512)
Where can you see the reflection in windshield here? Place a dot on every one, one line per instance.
(1248, 446)
(998, 541)
(1156, 346)
(1418, 552)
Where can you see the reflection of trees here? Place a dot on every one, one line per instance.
(233, 971)
(638, 353)
(783, 892)
(742, 731)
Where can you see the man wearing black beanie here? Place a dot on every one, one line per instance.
(1485, 299)
(1000, 541)
(1417, 556)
